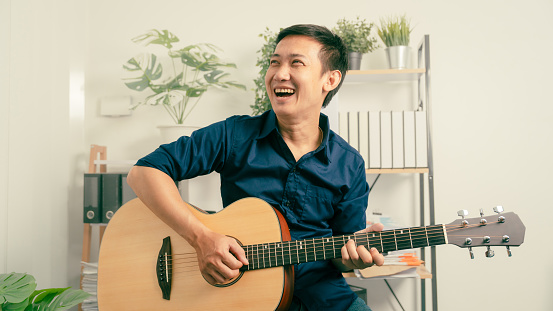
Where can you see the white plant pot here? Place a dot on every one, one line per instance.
(398, 56)
(170, 133)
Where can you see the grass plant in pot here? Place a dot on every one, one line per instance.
(395, 33)
(357, 37)
(179, 83)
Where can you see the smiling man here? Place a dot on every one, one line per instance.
(288, 157)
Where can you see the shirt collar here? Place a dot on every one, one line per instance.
(270, 125)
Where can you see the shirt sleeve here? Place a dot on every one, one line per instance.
(188, 157)
(350, 214)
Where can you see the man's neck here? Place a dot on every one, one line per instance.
(301, 138)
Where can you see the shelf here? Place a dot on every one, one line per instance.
(383, 75)
(420, 170)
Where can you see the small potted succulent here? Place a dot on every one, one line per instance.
(357, 37)
(395, 33)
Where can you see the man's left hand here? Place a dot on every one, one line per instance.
(357, 256)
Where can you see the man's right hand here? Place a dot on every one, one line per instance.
(219, 257)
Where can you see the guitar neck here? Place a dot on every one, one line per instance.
(267, 255)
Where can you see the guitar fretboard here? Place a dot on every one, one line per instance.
(268, 255)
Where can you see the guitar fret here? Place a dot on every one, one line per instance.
(276, 254)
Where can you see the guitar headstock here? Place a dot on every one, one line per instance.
(502, 229)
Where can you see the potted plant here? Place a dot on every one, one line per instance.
(357, 37)
(192, 70)
(395, 33)
(17, 293)
(262, 102)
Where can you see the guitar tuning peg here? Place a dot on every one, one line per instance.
(481, 212)
(462, 213)
(509, 251)
(490, 253)
(471, 253)
(498, 209)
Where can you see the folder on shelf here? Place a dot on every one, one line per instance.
(421, 142)
(353, 131)
(397, 139)
(374, 139)
(364, 136)
(111, 195)
(343, 125)
(92, 198)
(409, 139)
(386, 139)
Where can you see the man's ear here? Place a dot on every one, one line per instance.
(333, 80)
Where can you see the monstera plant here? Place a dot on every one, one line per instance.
(179, 86)
(17, 293)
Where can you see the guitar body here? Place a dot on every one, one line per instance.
(128, 257)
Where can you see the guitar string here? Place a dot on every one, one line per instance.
(360, 238)
(388, 237)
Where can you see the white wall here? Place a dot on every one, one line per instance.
(492, 121)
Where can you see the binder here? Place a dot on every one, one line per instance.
(386, 139)
(374, 139)
(397, 140)
(353, 129)
(409, 138)
(127, 193)
(343, 125)
(364, 136)
(421, 141)
(92, 198)
(111, 195)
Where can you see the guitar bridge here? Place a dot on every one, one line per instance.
(164, 268)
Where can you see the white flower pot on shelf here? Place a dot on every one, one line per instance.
(170, 133)
(398, 56)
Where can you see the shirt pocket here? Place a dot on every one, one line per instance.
(317, 206)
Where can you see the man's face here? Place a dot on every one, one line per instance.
(294, 81)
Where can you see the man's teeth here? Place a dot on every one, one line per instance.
(285, 91)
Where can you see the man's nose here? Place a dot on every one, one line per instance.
(282, 73)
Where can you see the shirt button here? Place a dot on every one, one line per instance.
(287, 203)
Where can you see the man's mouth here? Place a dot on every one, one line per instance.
(284, 92)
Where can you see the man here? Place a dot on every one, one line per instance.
(288, 157)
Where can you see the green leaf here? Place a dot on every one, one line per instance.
(20, 306)
(56, 299)
(149, 69)
(196, 91)
(154, 36)
(16, 287)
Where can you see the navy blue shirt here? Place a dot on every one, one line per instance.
(324, 193)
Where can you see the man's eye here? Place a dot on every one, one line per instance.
(273, 62)
(297, 62)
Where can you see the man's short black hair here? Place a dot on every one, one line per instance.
(333, 54)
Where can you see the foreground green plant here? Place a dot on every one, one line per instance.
(395, 31)
(17, 293)
(195, 68)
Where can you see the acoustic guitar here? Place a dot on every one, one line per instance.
(145, 265)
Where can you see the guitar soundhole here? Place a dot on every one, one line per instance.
(231, 281)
